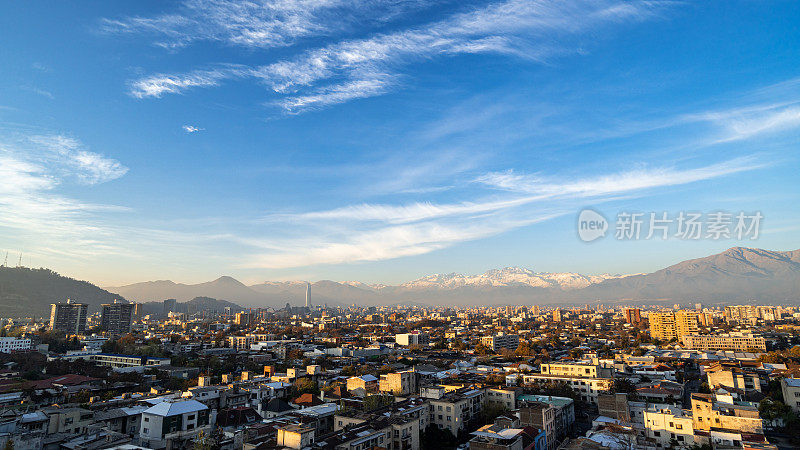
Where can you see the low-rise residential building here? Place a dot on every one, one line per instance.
(415, 338)
(296, 436)
(587, 388)
(667, 424)
(710, 411)
(68, 420)
(542, 416)
(399, 383)
(790, 387)
(506, 397)
(496, 437)
(14, 344)
(453, 410)
(241, 342)
(169, 423)
(365, 383)
(501, 340)
(586, 369)
(736, 376)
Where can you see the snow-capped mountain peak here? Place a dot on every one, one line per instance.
(509, 276)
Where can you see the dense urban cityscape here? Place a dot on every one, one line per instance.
(401, 378)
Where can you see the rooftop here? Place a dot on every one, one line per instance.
(173, 408)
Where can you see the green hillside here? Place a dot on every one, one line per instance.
(28, 292)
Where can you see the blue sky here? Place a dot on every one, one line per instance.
(384, 140)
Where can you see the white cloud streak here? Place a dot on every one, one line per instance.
(191, 129)
(372, 232)
(744, 123)
(619, 183)
(258, 23)
(520, 28)
(32, 168)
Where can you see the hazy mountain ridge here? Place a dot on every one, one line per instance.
(734, 275)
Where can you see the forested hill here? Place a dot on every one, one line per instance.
(26, 292)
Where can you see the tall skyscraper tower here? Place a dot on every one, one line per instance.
(68, 317)
(308, 295)
(117, 317)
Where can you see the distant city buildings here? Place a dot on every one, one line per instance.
(68, 317)
(633, 315)
(170, 305)
(750, 313)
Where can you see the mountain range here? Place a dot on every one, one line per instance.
(736, 275)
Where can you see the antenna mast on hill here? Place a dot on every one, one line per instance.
(5, 261)
(19, 264)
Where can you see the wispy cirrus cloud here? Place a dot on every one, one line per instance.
(370, 232)
(39, 91)
(745, 123)
(347, 70)
(257, 23)
(619, 183)
(63, 157)
(32, 168)
(369, 86)
(385, 242)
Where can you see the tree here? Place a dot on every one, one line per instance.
(481, 349)
(9, 444)
(435, 438)
(576, 352)
(496, 378)
(524, 349)
(492, 411)
(305, 386)
(507, 354)
(773, 410)
(373, 402)
(622, 385)
(204, 441)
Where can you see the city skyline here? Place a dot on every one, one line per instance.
(177, 141)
